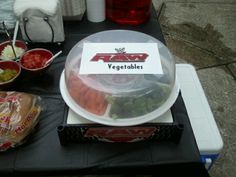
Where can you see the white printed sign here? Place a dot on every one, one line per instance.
(120, 58)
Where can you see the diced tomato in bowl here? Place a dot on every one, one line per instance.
(34, 60)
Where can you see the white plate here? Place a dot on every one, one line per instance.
(118, 122)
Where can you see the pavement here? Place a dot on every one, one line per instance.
(203, 33)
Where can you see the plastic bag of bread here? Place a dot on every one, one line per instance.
(18, 116)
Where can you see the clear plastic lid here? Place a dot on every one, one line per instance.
(119, 96)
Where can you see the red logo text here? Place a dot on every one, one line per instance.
(120, 57)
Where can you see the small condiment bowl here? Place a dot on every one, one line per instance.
(18, 43)
(34, 61)
(9, 66)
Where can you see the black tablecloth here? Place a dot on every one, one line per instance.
(43, 153)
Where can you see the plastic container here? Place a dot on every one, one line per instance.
(6, 52)
(119, 99)
(8, 79)
(128, 12)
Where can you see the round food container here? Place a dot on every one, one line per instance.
(119, 99)
(9, 72)
(34, 61)
(6, 52)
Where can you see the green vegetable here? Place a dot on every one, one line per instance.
(131, 106)
(7, 75)
(8, 54)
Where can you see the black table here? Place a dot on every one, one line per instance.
(43, 153)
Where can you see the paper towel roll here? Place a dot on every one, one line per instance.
(95, 10)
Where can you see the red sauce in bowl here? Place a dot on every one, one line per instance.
(35, 59)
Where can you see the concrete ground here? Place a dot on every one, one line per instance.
(203, 33)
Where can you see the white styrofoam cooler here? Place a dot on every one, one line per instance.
(205, 130)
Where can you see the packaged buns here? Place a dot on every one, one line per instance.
(18, 117)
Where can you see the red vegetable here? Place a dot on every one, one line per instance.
(34, 60)
(90, 99)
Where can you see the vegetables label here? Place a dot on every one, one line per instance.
(120, 58)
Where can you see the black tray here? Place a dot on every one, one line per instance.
(93, 132)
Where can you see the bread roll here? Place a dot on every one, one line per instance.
(18, 116)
